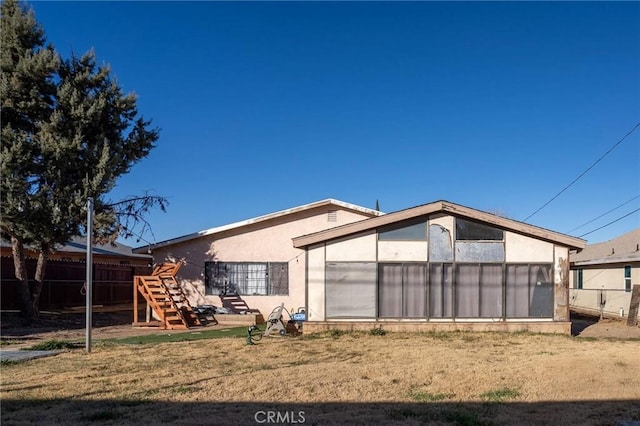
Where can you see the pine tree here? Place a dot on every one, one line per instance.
(68, 133)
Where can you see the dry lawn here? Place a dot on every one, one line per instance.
(449, 378)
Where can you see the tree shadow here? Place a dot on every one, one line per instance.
(124, 412)
(13, 324)
(579, 322)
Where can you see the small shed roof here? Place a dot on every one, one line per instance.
(270, 216)
(78, 245)
(439, 207)
(625, 248)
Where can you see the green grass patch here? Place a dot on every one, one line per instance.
(377, 331)
(185, 389)
(420, 396)
(499, 395)
(52, 345)
(186, 336)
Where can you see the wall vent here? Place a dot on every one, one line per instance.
(332, 216)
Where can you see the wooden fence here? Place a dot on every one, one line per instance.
(64, 280)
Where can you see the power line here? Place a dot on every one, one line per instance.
(584, 173)
(610, 223)
(603, 214)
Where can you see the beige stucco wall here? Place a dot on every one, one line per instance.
(608, 277)
(561, 283)
(268, 241)
(360, 248)
(403, 251)
(520, 248)
(315, 277)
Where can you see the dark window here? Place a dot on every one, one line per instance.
(402, 290)
(247, 278)
(466, 230)
(478, 291)
(580, 282)
(627, 278)
(529, 291)
(413, 232)
(440, 290)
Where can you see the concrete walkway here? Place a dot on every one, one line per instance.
(24, 355)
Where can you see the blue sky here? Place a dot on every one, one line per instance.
(264, 106)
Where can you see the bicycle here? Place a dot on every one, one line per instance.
(254, 335)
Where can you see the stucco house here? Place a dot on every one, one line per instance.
(438, 266)
(605, 273)
(254, 258)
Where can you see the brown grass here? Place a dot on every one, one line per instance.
(454, 378)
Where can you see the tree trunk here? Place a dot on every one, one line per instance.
(20, 267)
(36, 287)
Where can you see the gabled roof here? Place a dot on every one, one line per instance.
(625, 248)
(439, 207)
(270, 216)
(78, 245)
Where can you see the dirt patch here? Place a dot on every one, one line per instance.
(72, 326)
(334, 378)
(69, 326)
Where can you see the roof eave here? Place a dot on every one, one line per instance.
(438, 206)
(263, 218)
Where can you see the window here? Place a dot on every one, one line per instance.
(351, 289)
(467, 230)
(627, 278)
(247, 278)
(440, 290)
(478, 291)
(402, 290)
(413, 232)
(529, 291)
(579, 281)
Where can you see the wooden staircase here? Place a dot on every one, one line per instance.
(165, 296)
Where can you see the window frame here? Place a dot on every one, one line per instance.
(279, 288)
(627, 278)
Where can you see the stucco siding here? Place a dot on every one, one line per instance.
(403, 251)
(520, 248)
(359, 248)
(316, 280)
(260, 242)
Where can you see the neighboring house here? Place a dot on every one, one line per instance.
(254, 258)
(114, 266)
(605, 272)
(438, 266)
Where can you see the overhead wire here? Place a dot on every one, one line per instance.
(611, 223)
(603, 214)
(585, 172)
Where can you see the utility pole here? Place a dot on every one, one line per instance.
(89, 276)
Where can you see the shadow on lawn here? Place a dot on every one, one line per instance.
(62, 411)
